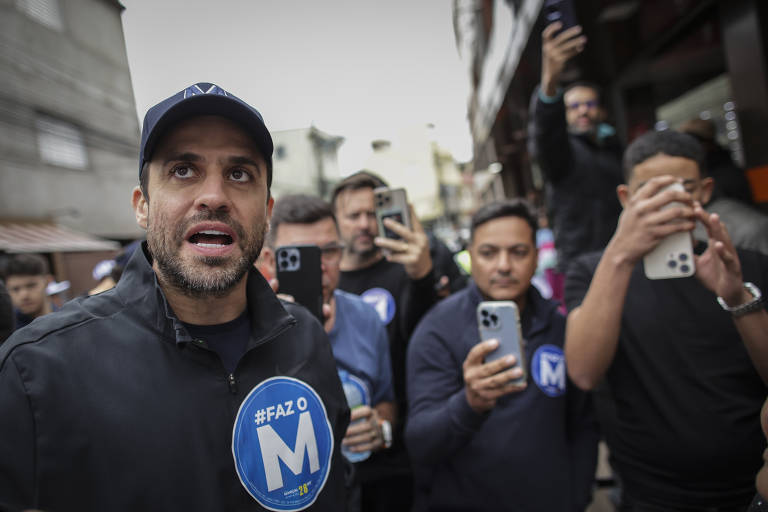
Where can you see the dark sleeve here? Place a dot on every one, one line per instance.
(578, 278)
(548, 133)
(17, 441)
(7, 319)
(583, 437)
(444, 264)
(440, 420)
(418, 296)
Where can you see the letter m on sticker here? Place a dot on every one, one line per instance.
(274, 449)
(552, 371)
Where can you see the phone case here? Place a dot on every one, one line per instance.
(673, 257)
(299, 274)
(562, 11)
(391, 203)
(500, 320)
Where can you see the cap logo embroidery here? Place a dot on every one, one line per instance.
(195, 90)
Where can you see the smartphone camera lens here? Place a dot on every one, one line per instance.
(486, 323)
(683, 257)
(672, 263)
(684, 268)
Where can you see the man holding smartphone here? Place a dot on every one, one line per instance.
(477, 439)
(679, 365)
(357, 334)
(577, 151)
(401, 287)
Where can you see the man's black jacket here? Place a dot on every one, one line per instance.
(110, 405)
(581, 176)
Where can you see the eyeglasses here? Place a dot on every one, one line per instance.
(331, 253)
(576, 104)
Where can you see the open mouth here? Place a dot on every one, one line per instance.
(210, 238)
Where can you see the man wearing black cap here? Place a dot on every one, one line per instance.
(189, 386)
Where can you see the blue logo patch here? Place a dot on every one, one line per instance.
(382, 301)
(282, 443)
(548, 369)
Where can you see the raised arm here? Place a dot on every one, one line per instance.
(592, 331)
(719, 269)
(549, 131)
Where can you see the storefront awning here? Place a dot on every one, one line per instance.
(42, 237)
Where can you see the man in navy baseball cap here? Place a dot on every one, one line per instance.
(190, 372)
(201, 99)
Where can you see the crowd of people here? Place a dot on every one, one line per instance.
(187, 380)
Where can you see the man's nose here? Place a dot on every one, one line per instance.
(504, 263)
(212, 194)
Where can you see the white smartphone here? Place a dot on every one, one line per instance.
(391, 203)
(501, 320)
(673, 257)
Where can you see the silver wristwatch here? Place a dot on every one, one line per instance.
(748, 307)
(386, 433)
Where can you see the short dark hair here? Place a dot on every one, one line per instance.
(515, 207)
(667, 142)
(298, 209)
(144, 180)
(360, 179)
(584, 83)
(26, 265)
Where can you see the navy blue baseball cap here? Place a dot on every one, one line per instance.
(204, 99)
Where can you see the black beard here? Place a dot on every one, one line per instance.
(219, 279)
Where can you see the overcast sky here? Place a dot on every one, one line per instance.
(360, 69)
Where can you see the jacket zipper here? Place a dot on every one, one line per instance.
(232, 383)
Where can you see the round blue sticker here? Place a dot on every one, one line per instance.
(548, 370)
(282, 443)
(382, 301)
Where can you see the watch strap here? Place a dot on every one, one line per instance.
(748, 307)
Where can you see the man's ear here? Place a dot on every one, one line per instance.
(266, 262)
(622, 191)
(707, 187)
(140, 207)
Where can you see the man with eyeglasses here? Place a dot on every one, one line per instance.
(357, 334)
(578, 153)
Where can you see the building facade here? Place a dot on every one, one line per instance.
(658, 63)
(68, 128)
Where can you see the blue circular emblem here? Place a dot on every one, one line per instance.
(282, 443)
(382, 301)
(548, 370)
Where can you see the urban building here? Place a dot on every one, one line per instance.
(658, 63)
(305, 162)
(68, 129)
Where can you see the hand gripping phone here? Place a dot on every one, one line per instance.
(562, 11)
(501, 320)
(391, 203)
(673, 257)
(299, 274)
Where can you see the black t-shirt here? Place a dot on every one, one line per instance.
(680, 403)
(401, 308)
(228, 339)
